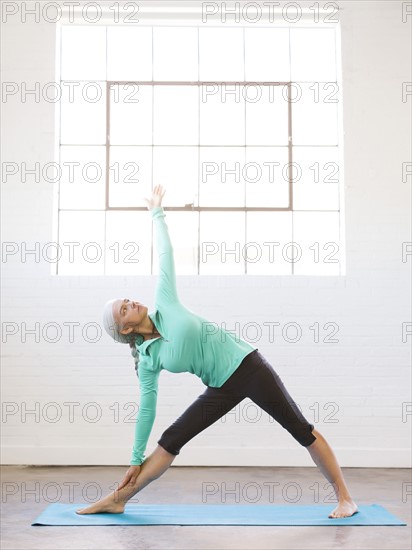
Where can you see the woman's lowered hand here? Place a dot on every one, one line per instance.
(130, 477)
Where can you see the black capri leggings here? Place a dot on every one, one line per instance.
(256, 379)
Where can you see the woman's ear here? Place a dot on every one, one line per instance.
(126, 331)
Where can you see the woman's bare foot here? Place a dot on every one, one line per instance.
(344, 509)
(107, 505)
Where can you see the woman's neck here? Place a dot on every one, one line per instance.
(153, 331)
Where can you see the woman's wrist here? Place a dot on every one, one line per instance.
(156, 208)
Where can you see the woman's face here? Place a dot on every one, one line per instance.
(128, 313)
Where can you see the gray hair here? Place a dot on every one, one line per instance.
(110, 325)
(112, 329)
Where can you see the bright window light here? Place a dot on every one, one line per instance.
(241, 125)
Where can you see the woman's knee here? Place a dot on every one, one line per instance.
(304, 435)
(310, 437)
(163, 451)
(169, 443)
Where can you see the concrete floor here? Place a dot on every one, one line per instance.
(27, 491)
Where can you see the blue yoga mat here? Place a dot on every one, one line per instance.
(215, 514)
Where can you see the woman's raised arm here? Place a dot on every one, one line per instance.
(166, 291)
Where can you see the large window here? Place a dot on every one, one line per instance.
(240, 125)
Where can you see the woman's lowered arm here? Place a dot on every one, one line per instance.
(144, 423)
(147, 413)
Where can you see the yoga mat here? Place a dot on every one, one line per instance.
(215, 514)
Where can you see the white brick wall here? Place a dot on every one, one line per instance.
(366, 374)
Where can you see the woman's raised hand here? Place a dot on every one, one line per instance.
(156, 198)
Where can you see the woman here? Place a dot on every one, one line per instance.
(177, 340)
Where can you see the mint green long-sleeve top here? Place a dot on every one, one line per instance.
(188, 342)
